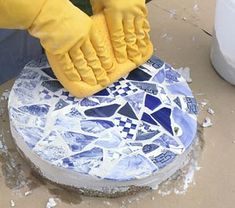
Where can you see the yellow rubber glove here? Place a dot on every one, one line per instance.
(79, 48)
(128, 27)
(67, 35)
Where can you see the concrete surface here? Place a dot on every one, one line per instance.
(181, 33)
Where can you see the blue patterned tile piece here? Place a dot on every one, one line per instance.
(136, 163)
(180, 89)
(150, 88)
(18, 115)
(109, 141)
(30, 75)
(31, 135)
(163, 159)
(45, 94)
(138, 75)
(36, 110)
(178, 102)
(51, 152)
(172, 75)
(146, 131)
(163, 117)
(128, 131)
(77, 141)
(124, 90)
(94, 152)
(136, 101)
(127, 111)
(146, 135)
(102, 112)
(88, 102)
(126, 126)
(143, 68)
(29, 84)
(191, 105)
(136, 144)
(105, 100)
(147, 118)
(52, 85)
(149, 148)
(44, 78)
(66, 96)
(64, 122)
(23, 94)
(102, 93)
(50, 149)
(40, 122)
(49, 72)
(155, 62)
(166, 141)
(95, 126)
(152, 102)
(160, 76)
(60, 104)
(75, 113)
(83, 162)
(187, 123)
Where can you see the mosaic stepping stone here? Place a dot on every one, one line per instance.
(135, 133)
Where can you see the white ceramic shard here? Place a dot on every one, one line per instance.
(185, 73)
(207, 123)
(211, 111)
(51, 203)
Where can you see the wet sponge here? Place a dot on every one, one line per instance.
(82, 89)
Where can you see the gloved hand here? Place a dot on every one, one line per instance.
(71, 44)
(128, 27)
(79, 48)
(67, 34)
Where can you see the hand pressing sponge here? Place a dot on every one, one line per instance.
(116, 70)
(86, 54)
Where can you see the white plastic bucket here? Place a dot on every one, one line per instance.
(223, 46)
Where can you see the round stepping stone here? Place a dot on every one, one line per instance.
(130, 136)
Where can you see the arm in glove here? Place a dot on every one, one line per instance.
(128, 27)
(67, 35)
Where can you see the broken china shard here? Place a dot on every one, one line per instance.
(135, 133)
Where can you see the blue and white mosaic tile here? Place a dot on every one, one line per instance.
(130, 130)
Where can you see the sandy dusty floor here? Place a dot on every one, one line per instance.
(181, 32)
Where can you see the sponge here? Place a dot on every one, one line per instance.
(81, 89)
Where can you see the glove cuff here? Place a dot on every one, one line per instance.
(19, 14)
(60, 25)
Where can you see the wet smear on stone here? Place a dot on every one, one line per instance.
(13, 167)
(34, 183)
(66, 196)
(38, 180)
(13, 175)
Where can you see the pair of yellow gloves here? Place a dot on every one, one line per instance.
(86, 53)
